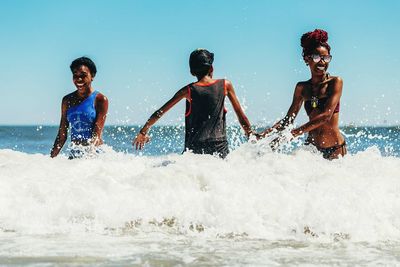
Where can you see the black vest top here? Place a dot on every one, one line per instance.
(205, 113)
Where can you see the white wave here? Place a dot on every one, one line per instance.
(254, 193)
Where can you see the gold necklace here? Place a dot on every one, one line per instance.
(314, 99)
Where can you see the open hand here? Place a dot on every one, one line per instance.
(140, 141)
(264, 133)
(97, 141)
(284, 137)
(258, 136)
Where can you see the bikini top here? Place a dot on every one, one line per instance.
(318, 103)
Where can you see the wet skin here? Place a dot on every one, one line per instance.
(82, 79)
(323, 126)
(142, 138)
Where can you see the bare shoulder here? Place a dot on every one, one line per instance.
(102, 98)
(337, 79)
(68, 98)
(336, 83)
(227, 82)
(183, 92)
(300, 86)
(228, 85)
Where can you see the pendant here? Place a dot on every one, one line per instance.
(314, 102)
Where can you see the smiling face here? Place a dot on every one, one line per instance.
(82, 79)
(321, 66)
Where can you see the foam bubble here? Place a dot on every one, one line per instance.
(254, 193)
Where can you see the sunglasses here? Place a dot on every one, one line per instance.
(317, 58)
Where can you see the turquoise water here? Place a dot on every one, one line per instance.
(170, 139)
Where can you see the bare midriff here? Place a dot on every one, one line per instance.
(328, 134)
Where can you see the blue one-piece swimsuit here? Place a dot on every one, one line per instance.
(81, 118)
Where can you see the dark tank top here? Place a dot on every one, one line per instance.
(205, 114)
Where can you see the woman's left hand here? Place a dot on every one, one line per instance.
(97, 141)
(140, 140)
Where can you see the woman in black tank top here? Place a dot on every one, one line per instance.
(205, 124)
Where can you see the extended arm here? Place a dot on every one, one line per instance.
(326, 115)
(62, 130)
(101, 111)
(142, 137)
(291, 114)
(243, 120)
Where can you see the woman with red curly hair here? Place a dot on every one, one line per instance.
(321, 96)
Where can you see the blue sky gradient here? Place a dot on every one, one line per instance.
(141, 50)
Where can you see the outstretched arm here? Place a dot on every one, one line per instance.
(101, 110)
(243, 120)
(62, 130)
(326, 115)
(291, 114)
(142, 137)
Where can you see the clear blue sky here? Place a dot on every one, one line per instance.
(141, 49)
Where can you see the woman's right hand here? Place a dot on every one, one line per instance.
(264, 133)
(140, 140)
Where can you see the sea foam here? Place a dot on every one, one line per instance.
(254, 193)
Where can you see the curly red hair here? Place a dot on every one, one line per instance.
(312, 40)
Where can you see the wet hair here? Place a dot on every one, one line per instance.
(312, 40)
(200, 62)
(85, 61)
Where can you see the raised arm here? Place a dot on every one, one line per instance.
(62, 130)
(326, 115)
(142, 136)
(291, 114)
(101, 107)
(243, 120)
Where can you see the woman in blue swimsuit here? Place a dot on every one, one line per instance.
(84, 110)
(321, 96)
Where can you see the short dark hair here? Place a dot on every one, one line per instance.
(85, 61)
(200, 62)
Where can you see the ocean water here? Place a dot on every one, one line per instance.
(163, 208)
